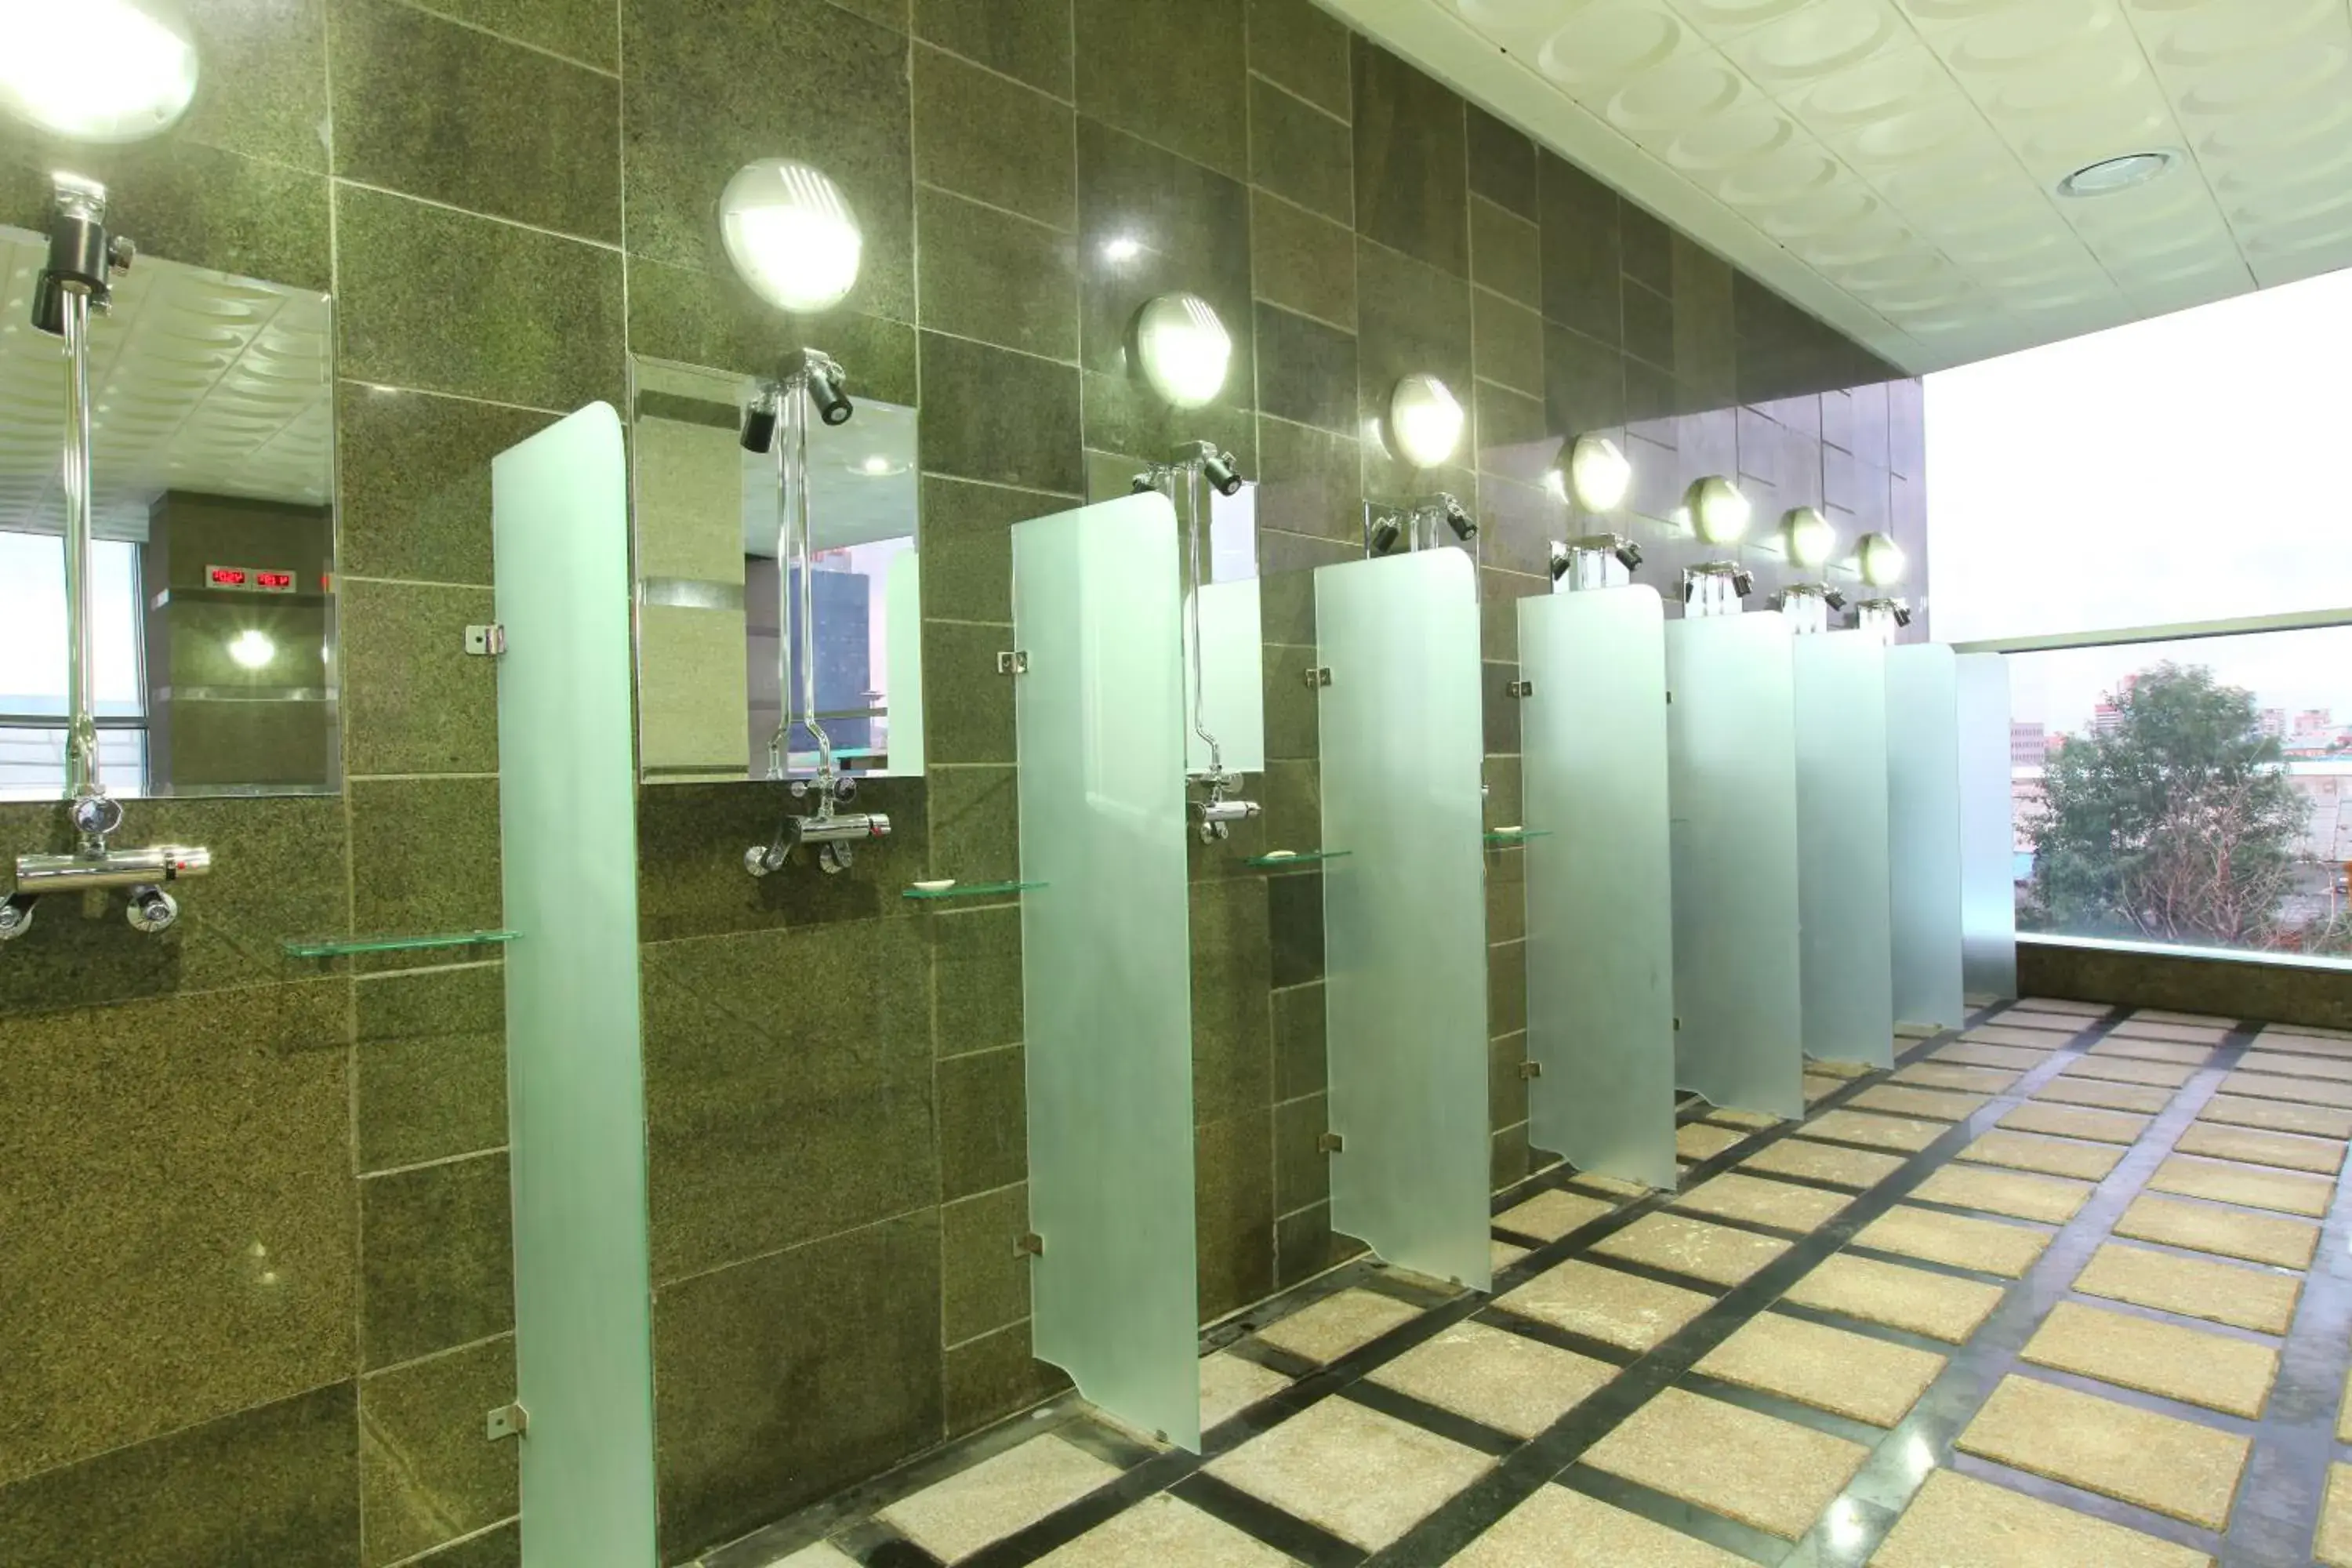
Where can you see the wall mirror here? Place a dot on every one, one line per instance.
(1227, 674)
(212, 566)
(718, 597)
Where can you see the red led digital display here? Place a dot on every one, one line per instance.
(251, 580)
(276, 582)
(226, 576)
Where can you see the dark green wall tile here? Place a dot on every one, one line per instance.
(976, 978)
(1584, 384)
(1411, 320)
(1294, 913)
(1511, 1160)
(1299, 152)
(1286, 589)
(174, 1265)
(891, 14)
(430, 109)
(1704, 345)
(415, 491)
(1509, 343)
(414, 702)
(779, 1380)
(1294, 805)
(1126, 417)
(994, 1376)
(1646, 247)
(1506, 1092)
(426, 1474)
(975, 823)
(1302, 262)
(2231, 987)
(708, 94)
(432, 1065)
(701, 319)
(1306, 1245)
(1290, 727)
(1412, 184)
(1026, 39)
(995, 140)
(968, 703)
(1580, 252)
(1512, 438)
(1308, 484)
(983, 1122)
(1233, 1044)
(1302, 1170)
(1232, 1196)
(425, 853)
(1507, 897)
(968, 546)
(585, 31)
(449, 302)
(1303, 47)
(1501, 709)
(1507, 986)
(777, 1115)
(1306, 371)
(1151, 223)
(998, 279)
(1506, 253)
(276, 1484)
(1498, 610)
(1502, 162)
(1002, 418)
(1301, 1042)
(262, 91)
(180, 201)
(436, 1249)
(499, 1548)
(690, 844)
(1170, 71)
(986, 1273)
(1519, 517)
(1648, 325)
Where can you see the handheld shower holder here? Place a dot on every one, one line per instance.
(1415, 522)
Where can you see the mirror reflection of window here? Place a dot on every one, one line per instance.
(1232, 665)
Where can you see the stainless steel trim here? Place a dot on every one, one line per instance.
(690, 594)
(2184, 631)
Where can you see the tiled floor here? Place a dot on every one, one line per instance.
(2043, 1297)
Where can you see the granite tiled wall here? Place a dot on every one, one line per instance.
(253, 1225)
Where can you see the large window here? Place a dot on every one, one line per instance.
(33, 656)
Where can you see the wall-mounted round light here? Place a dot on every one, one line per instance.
(2108, 176)
(1599, 474)
(791, 233)
(1811, 538)
(1425, 419)
(99, 70)
(1185, 349)
(1882, 560)
(1719, 514)
(252, 649)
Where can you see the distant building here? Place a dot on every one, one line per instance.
(2273, 722)
(2028, 744)
(2106, 719)
(2314, 727)
(2327, 787)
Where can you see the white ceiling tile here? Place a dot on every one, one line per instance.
(1597, 48)
(1818, 41)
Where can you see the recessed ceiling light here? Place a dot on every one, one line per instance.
(2108, 176)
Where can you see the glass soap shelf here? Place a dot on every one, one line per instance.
(1303, 858)
(1509, 837)
(970, 890)
(346, 947)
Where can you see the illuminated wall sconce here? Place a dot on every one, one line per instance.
(1184, 348)
(99, 70)
(1719, 514)
(1809, 536)
(1597, 476)
(1881, 561)
(791, 234)
(1426, 421)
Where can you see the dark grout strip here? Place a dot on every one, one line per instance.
(1253, 1516)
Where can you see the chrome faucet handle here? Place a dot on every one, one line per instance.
(95, 815)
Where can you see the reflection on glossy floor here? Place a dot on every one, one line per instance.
(2068, 1288)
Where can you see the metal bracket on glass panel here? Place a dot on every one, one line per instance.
(1330, 1144)
(1531, 1069)
(1029, 1245)
(1016, 662)
(507, 1421)
(486, 642)
(1521, 689)
(1318, 677)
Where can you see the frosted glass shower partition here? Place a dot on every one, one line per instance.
(1731, 739)
(1600, 962)
(1988, 830)
(576, 1080)
(1104, 973)
(1923, 773)
(1841, 865)
(1404, 914)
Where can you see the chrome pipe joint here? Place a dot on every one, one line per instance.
(1716, 588)
(1596, 561)
(1220, 467)
(1415, 523)
(1808, 605)
(1882, 618)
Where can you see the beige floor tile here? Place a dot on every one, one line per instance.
(2288, 1064)
(2344, 1413)
(1989, 1247)
(1696, 1141)
(2231, 1233)
(1821, 1086)
(2160, 1462)
(2147, 1028)
(2192, 1365)
(2074, 1122)
(1747, 1120)
(1830, 1369)
(1970, 1053)
(2042, 1018)
(1896, 1101)
(2256, 1187)
(2007, 1034)
(1935, 1305)
(1337, 1324)
(824, 1554)
(1964, 1078)
(1365, 1476)
(2133, 1048)
(1830, 1067)
(2305, 1042)
(2050, 1156)
(1781, 1203)
(2308, 1031)
(998, 1496)
(1878, 1131)
(1765, 1472)
(2277, 1116)
(2066, 1004)
(1608, 1186)
(1557, 1528)
(2293, 1090)
(1959, 1522)
(2238, 1294)
(1230, 1386)
(2199, 1020)
(2134, 1097)
(1606, 1304)
(1496, 1377)
(1501, 1254)
(1852, 1168)
(2125, 1069)
(1551, 1214)
(1166, 1532)
(2054, 1200)
(1693, 1248)
(2332, 1545)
